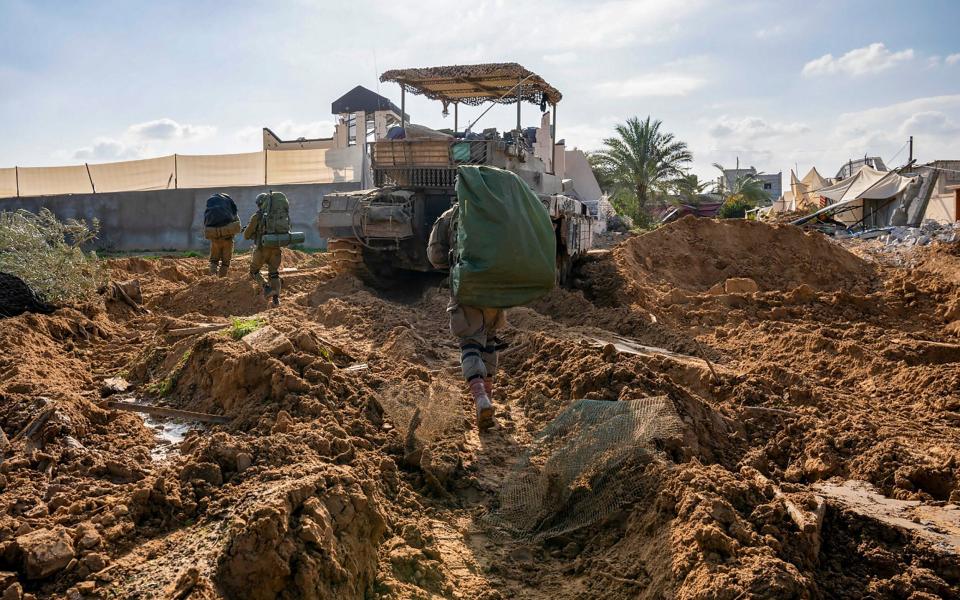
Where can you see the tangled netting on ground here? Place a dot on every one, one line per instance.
(422, 409)
(47, 254)
(578, 469)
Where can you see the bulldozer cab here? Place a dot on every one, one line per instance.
(420, 157)
(414, 167)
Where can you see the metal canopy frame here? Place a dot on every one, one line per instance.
(475, 84)
(498, 83)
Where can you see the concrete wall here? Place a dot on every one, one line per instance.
(577, 167)
(173, 219)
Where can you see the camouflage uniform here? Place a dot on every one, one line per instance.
(221, 246)
(475, 326)
(221, 251)
(263, 255)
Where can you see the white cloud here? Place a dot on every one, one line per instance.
(933, 121)
(150, 138)
(168, 129)
(587, 137)
(770, 32)
(929, 122)
(861, 61)
(527, 26)
(952, 59)
(106, 149)
(752, 128)
(653, 84)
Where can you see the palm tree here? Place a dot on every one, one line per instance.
(641, 162)
(747, 187)
(689, 188)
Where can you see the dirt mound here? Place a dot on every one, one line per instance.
(349, 466)
(696, 254)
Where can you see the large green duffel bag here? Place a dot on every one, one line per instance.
(506, 247)
(220, 233)
(279, 240)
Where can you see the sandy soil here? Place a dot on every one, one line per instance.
(350, 468)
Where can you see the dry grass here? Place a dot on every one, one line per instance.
(48, 255)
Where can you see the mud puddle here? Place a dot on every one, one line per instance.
(169, 433)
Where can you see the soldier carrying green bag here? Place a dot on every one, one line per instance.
(269, 228)
(498, 243)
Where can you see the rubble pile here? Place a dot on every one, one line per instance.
(330, 451)
(930, 231)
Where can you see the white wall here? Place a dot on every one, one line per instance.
(577, 167)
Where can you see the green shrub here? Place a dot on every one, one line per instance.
(735, 207)
(240, 327)
(48, 255)
(165, 386)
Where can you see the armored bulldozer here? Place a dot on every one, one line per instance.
(380, 230)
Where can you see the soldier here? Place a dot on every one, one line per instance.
(272, 217)
(474, 325)
(221, 224)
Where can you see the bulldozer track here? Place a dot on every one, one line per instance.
(346, 256)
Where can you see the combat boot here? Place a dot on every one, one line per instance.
(213, 268)
(276, 301)
(482, 401)
(223, 271)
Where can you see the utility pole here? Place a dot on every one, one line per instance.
(911, 150)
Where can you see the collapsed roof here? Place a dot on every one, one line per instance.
(867, 183)
(475, 84)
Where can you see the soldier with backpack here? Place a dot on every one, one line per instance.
(221, 223)
(500, 246)
(475, 326)
(269, 228)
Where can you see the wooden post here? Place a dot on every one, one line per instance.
(553, 139)
(519, 102)
(16, 174)
(175, 174)
(403, 107)
(90, 177)
(456, 116)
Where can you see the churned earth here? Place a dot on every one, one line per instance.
(815, 453)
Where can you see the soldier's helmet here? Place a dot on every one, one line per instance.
(261, 198)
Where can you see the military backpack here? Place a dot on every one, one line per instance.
(274, 213)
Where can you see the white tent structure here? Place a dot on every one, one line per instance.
(787, 202)
(868, 192)
(807, 191)
(867, 183)
(784, 203)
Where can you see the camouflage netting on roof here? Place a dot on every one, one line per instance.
(475, 84)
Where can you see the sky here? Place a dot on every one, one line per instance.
(775, 85)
